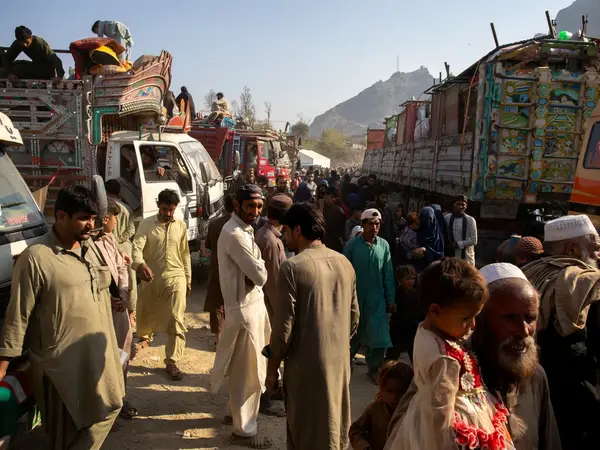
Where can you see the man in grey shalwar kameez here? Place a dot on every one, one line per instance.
(315, 315)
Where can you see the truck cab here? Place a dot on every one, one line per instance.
(21, 222)
(234, 149)
(186, 168)
(585, 197)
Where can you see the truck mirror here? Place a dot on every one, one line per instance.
(205, 170)
(101, 198)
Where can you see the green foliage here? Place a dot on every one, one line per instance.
(300, 129)
(333, 144)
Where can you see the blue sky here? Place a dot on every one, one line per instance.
(304, 56)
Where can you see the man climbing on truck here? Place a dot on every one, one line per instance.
(115, 30)
(44, 64)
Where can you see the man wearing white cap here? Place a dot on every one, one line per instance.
(568, 280)
(371, 258)
(504, 344)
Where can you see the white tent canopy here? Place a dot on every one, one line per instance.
(309, 158)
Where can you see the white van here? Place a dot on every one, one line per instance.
(21, 222)
(188, 169)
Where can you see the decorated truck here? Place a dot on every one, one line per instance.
(585, 196)
(103, 124)
(239, 149)
(507, 132)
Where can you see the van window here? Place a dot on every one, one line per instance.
(167, 158)
(18, 210)
(198, 155)
(592, 154)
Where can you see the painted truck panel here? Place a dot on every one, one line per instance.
(523, 134)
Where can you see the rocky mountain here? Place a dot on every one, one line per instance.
(369, 107)
(569, 18)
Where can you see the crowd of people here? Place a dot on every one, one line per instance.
(302, 280)
(453, 349)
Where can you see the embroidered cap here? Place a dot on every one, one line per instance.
(529, 245)
(357, 229)
(568, 227)
(501, 271)
(370, 214)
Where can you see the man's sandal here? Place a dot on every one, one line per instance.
(142, 344)
(257, 441)
(274, 410)
(128, 412)
(174, 372)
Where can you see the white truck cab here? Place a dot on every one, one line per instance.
(21, 222)
(169, 161)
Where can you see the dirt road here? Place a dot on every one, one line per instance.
(184, 414)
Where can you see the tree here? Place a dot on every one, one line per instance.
(235, 110)
(300, 130)
(247, 109)
(333, 144)
(268, 112)
(209, 98)
(302, 118)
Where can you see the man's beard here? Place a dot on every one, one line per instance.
(518, 357)
(587, 259)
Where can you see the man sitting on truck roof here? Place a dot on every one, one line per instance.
(219, 109)
(44, 63)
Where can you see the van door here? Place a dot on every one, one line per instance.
(154, 157)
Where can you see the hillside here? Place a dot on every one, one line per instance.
(370, 106)
(569, 18)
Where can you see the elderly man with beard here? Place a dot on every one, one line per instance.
(504, 343)
(568, 280)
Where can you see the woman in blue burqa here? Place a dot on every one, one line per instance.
(430, 238)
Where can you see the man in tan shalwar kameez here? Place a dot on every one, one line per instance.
(568, 280)
(161, 257)
(242, 274)
(504, 343)
(316, 314)
(60, 310)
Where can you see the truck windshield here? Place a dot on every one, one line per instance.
(265, 149)
(18, 210)
(198, 154)
(284, 161)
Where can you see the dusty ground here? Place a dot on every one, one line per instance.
(184, 414)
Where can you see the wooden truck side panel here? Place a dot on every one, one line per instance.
(504, 133)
